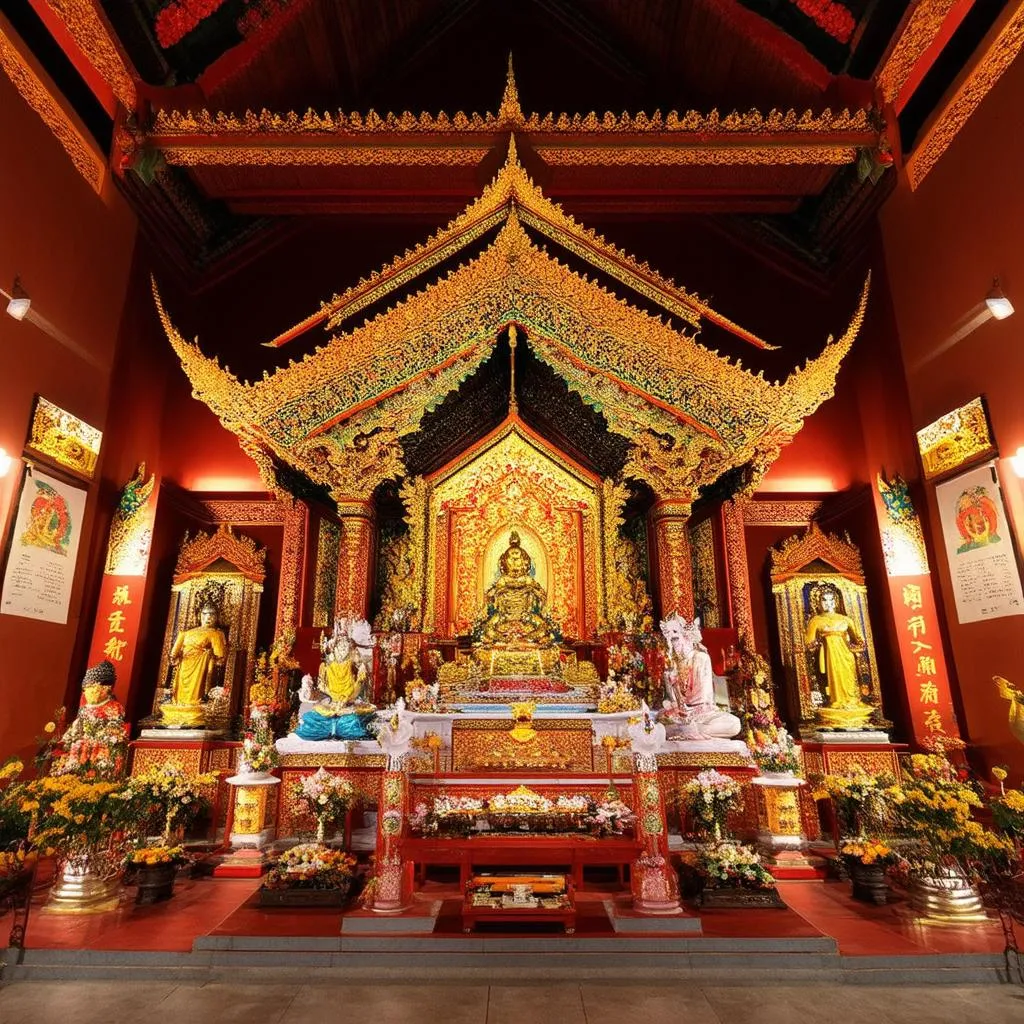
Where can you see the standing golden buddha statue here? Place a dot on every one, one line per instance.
(197, 654)
(833, 636)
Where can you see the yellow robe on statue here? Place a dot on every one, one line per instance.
(199, 650)
(836, 660)
(342, 681)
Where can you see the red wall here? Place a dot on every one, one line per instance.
(72, 249)
(944, 243)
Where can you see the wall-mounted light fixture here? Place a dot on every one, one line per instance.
(18, 302)
(998, 304)
(5, 462)
(1017, 461)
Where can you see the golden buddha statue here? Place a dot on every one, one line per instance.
(515, 604)
(834, 637)
(196, 655)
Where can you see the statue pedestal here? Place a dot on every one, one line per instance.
(781, 837)
(249, 830)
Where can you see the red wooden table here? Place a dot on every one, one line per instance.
(489, 850)
(565, 915)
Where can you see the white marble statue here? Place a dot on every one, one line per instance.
(690, 712)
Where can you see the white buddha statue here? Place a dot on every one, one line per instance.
(690, 712)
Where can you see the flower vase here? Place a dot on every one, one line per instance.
(84, 883)
(156, 883)
(946, 896)
(869, 882)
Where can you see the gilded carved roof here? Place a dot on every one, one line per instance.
(688, 413)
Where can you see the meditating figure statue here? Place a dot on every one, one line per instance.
(833, 636)
(515, 604)
(197, 654)
(690, 711)
(340, 710)
(96, 742)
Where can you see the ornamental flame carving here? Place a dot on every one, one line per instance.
(199, 553)
(690, 414)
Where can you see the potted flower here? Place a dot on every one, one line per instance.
(1008, 809)
(155, 868)
(327, 798)
(86, 823)
(861, 801)
(310, 874)
(709, 798)
(733, 876)
(866, 860)
(945, 848)
(173, 794)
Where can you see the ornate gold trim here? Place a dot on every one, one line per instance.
(338, 414)
(998, 51)
(733, 518)
(921, 24)
(778, 512)
(695, 155)
(91, 31)
(198, 553)
(39, 92)
(795, 553)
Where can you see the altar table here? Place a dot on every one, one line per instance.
(573, 851)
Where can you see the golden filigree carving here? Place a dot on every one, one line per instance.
(64, 438)
(338, 413)
(702, 155)
(625, 594)
(325, 583)
(813, 545)
(44, 98)
(292, 567)
(244, 511)
(131, 531)
(921, 25)
(190, 123)
(89, 27)
(1004, 42)
(779, 512)
(324, 156)
(733, 516)
(960, 436)
(705, 573)
(197, 554)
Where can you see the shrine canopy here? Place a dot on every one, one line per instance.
(687, 413)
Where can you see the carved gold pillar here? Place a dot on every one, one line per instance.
(672, 546)
(293, 565)
(355, 558)
(737, 573)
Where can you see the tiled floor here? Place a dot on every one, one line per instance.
(226, 907)
(149, 1000)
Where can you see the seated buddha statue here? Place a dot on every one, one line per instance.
(515, 604)
(340, 710)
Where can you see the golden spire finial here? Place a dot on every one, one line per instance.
(513, 405)
(510, 112)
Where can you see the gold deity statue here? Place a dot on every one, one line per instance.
(515, 604)
(834, 637)
(196, 655)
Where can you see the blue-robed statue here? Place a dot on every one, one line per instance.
(340, 710)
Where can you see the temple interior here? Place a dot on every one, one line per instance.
(488, 476)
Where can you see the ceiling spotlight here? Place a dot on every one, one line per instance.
(18, 303)
(998, 304)
(5, 462)
(1017, 461)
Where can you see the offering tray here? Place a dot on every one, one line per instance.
(525, 898)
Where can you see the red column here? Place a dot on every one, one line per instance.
(675, 569)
